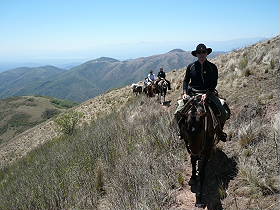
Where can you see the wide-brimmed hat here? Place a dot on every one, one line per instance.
(201, 47)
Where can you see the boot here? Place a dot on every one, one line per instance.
(222, 136)
(220, 133)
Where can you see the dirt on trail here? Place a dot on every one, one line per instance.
(219, 170)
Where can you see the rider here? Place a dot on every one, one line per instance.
(152, 77)
(203, 75)
(161, 75)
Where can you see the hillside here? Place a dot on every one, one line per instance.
(25, 80)
(127, 154)
(24, 112)
(89, 79)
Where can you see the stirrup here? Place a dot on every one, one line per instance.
(222, 136)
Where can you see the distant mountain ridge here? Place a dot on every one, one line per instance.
(89, 79)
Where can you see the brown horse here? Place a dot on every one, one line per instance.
(136, 89)
(162, 86)
(198, 131)
(151, 90)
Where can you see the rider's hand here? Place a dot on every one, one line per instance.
(185, 96)
(203, 98)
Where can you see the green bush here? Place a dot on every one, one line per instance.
(49, 113)
(3, 129)
(68, 122)
(19, 119)
(243, 63)
(272, 63)
(63, 103)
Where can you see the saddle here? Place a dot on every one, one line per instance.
(213, 110)
(162, 82)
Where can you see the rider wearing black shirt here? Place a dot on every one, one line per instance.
(202, 76)
(161, 75)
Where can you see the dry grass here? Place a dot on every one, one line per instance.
(127, 160)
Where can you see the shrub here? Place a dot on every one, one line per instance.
(243, 63)
(30, 99)
(3, 129)
(247, 72)
(49, 113)
(251, 133)
(272, 63)
(63, 103)
(19, 119)
(68, 122)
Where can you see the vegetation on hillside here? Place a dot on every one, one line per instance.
(126, 160)
(24, 112)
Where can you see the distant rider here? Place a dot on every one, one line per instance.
(151, 77)
(161, 75)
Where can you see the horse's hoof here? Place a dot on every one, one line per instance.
(200, 205)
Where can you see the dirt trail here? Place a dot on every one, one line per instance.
(184, 198)
(219, 171)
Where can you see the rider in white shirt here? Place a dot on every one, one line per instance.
(152, 77)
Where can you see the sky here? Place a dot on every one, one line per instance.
(73, 30)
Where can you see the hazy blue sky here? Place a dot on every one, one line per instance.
(66, 29)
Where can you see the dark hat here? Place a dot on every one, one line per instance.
(201, 47)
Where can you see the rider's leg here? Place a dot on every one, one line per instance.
(168, 85)
(177, 115)
(221, 115)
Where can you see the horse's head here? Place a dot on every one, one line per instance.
(194, 125)
(194, 118)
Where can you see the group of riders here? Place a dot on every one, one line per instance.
(200, 114)
(201, 78)
(152, 79)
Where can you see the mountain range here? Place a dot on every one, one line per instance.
(89, 79)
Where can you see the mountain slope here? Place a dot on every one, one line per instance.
(88, 79)
(97, 76)
(24, 81)
(24, 112)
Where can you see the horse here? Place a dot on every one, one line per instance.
(136, 89)
(162, 89)
(197, 124)
(151, 89)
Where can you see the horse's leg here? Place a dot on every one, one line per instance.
(200, 203)
(194, 171)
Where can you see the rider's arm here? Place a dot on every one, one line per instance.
(214, 78)
(149, 78)
(186, 80)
